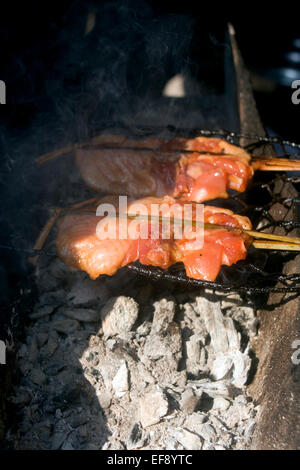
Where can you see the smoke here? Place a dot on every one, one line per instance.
(76, 81)
(125, 62)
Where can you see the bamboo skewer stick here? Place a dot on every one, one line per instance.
(207, 225)
(68, 149)
(258, 163)
(269, 245)
(275, 164)
(271, 236)
(47, 157)
(270, 241)
(81, 204)
(40, 241)
(197, 224)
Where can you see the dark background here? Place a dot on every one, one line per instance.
(42, 56)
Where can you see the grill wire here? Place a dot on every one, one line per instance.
(261, 272)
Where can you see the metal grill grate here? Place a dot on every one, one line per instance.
(262, 271)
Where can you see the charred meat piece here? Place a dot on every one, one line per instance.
(130, 169)
(80, 246)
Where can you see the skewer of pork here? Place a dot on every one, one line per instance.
(226, 239)
(199, 169)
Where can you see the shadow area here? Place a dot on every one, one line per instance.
(63, 394)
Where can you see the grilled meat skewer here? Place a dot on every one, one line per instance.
(80, 247)
(199, 169)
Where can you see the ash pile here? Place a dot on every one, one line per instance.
(124, 363)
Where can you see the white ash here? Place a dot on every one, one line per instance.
(153, 407)
(120, 382)
(118, 315)
(141, 370)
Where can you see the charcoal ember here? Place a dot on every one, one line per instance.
(136, 438)
(161, 354)
(212, 388)
(144, 329)
(47, 283)
(196, 360)
(86, 291)
(38, 436)
(41, 339)
(207, 432)
(189, 440)
(82, 314)
(67, 445)
(231, 300)
(221, 403)
(172, 443)
(66, 326)
(189, 401)
(221, 366)
(232, 417)
(52, 343)
(194, 421)
(23, 351)
(24, 366)
(145, 374)
(77, 420)
(22, 397)
(58, 269)
(58, 439)
(135, 388)
(164, 311)
(214, 323)
(240, 412)
(104, 398)
(227, 359)
(242, 364)
(120, 383)
(167, 342)
(165, 372)
(234, 363)
(32, 349)
(193, 321)
(38, 377)
(249, 430)
(153, 407)
(193, 348)
(54, 298)
(245, 317)
(119, 315)
(108, 368)
(42, 311)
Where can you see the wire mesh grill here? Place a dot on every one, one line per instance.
(263, 270)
